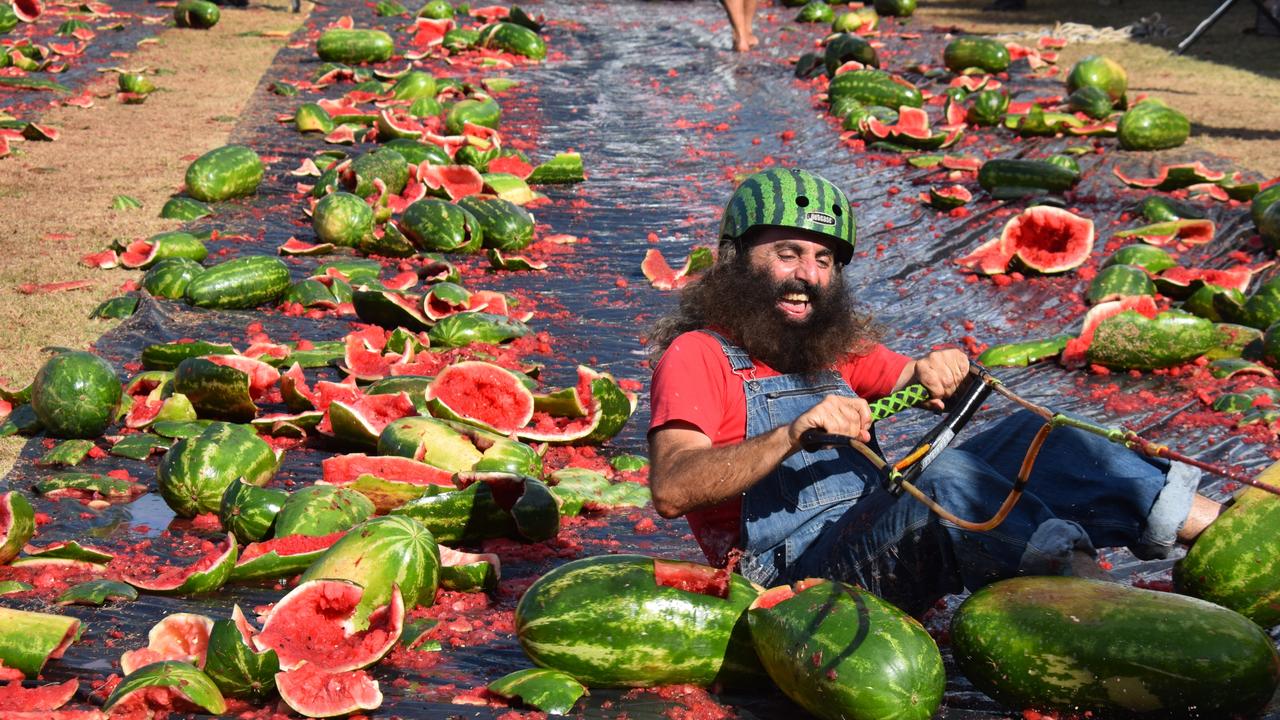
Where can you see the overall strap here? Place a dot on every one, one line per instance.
(739, 360)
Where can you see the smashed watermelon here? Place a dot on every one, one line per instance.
(1042, 238)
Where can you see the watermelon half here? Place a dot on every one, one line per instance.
(481, 394)
(1041, 238)
(312, 624)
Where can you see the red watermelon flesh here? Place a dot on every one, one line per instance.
(962, 163)
(1233, 279)
(315, 692)
(1074, 353)
(14, 697)
(990, 258)
(691, 577)
(137, 254)
(1048, 239)
(294, 390)
(458, 181)
(511, 165)
(345, 469)
(490, 302)
(289, 545)
(170, 577)
(262, 377)
(428, 31)
(104, 260)
(485, 393)
(143, 411)
(491, 12)
(27, 10)
(312, 625)
(294, 246)
(377, 411)
(267, 349)
(1173, 177)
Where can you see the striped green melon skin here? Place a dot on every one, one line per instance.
(563, 168)
(75, 395)
(473, 514)
(219, 392)
(1151, 125)
(974, 52)
(1131, 341)
(247, 511)
(343, 219)
(29, 639)
(355, 46)
(477, 111)
(1148, 257)
(1005, 173)
(1061, 643)
(506, 226)
(230, 171)
(311, 117)
(606, 622)
(875, 87)
(194, 474)
(167, 356)
(1117, 281)
(844, 654)
(463, 329)
(170, 277)
(440, 226)
(1233, 563)
(379, 555)
(1100, 72)
(235, 668)
(383, 164)
(17, 525)
(1263, 200)
(415, 153)
(440, 444)
(321, 510)
(240, 283)
(512, 38)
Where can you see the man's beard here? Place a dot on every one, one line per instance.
(743, 301)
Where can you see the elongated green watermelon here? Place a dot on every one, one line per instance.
(875, 87)
(1152, 125)
(985, 54)
(1232, 563)
(75, 395)
(354, 47)
(321, 510)
(505, 225)
(230, 171)
(1037, 174)
(170, 277)
(1084, 646)
(482, 111)
(844, 654)
(625, 621)
(242, 282)
(494, 505)
(440, 226)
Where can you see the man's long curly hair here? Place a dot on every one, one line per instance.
(738, 300)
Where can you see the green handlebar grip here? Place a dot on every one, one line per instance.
(908, 397)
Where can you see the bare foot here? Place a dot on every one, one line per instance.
(752, 40)
(741, 44)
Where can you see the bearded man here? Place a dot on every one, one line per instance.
(769, 344)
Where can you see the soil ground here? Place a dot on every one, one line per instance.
(56, 197)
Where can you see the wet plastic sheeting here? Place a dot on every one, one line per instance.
(642, 90)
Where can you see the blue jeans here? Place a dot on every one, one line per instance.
(1084, 492)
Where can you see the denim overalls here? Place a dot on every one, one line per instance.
(825, 513)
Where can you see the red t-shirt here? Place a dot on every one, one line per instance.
(694, 383)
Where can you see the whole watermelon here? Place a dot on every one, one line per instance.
(194, 474)
(76, 395)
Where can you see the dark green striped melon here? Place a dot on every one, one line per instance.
(895, 8)
(493, 505)
(987, 108)
(875, 87)
(239, 283)
(482, 111)
(233, 662)
(1233, 562)
(1131, 340)
(354, 47)
(223, 173)
(414, 84)
(1262, 201)
(1089, 647)
(1148, 257)
(441, 226)
(610, 621)
(504, 225)
(985, 54)
(1099, 72)
(462, 329)
(1118, 281)
(247, 511)
(170, 277)
(194, 475)
(385, 164)
(844, 654)
(843, 47)
(343, 219)
(1152, 125)
(321, 510)
(416, 153)
(816, 11)
(1006, 173)
(200, 14)
(75, 395)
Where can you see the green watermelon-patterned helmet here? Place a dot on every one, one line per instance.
(793, 199)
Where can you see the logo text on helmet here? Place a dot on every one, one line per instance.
(820, 217)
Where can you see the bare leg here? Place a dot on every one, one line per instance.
(749, 14)
(1203, 512)
(737, 18)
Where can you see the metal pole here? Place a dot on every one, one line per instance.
(1203, 26)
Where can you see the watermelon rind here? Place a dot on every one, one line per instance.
(167, 356)
(17, 525)
(504, 225)
(247, 511)
(170, 277)
(343, 219)
(274, 563)
(464, 329)
(97, 592)
(183, 679)
(335, 603)
(441, 226)
(429, 440)
(216, 391)
(473, 514)
(354, 47)
(75, 395)
(240, 283)
(501, 403)
(1116, 281)
(1228, 565)
(198, 582)
(550, 691)
(1148, 257)
(199, 14)
(1100, 72)
(1152, 125)
(1106, 649)
(513, 38)
(985, 54)
(30, 639)
(382, 555)
(606, 622)
(1132, 341)
(317, 693)
(844, 654)
(237, 669)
